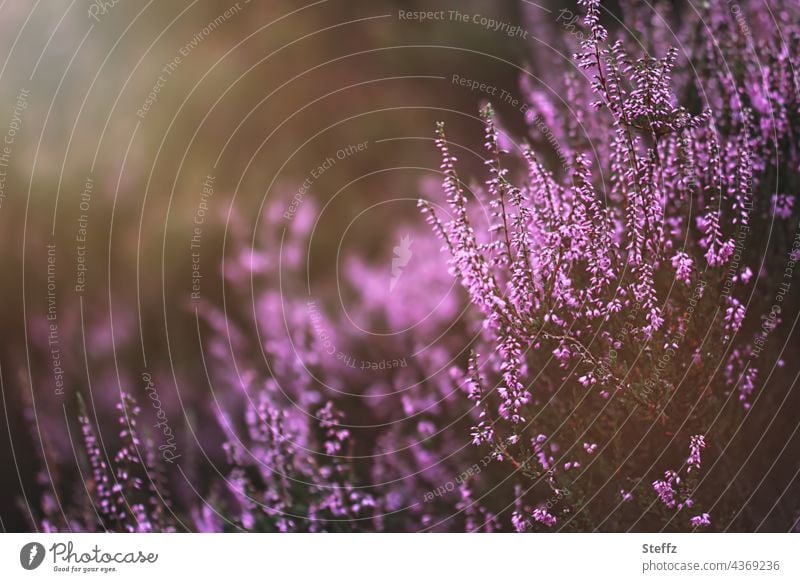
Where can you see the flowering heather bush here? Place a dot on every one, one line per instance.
(613, 289)
(568, 347)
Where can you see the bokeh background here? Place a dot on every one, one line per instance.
(264, 93)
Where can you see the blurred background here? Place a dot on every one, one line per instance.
(137, 122)
(145, 142)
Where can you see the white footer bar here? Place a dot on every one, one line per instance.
(389, 557)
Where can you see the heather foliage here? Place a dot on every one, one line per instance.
(611, 289)
(581, 318)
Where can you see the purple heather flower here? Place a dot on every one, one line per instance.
(698, 442)
(518, 522)
(734, 315)
(542, 516)
(665, 489)
(702, 520)
(682, 264)
(783, 205)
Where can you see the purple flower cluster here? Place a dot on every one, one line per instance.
(601, 320)
(595, 280)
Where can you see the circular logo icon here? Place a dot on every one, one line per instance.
(31, 555)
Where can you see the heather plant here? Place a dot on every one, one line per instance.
(126, 491)
(353, 429)
(612, 289)
(566, 348)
